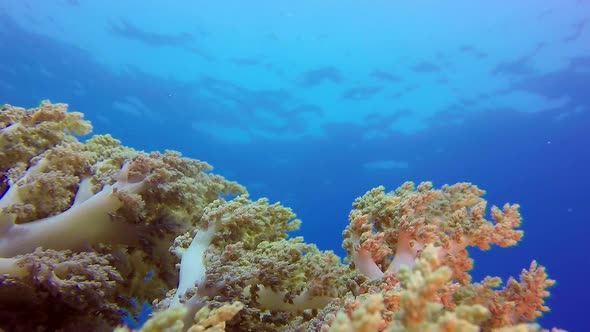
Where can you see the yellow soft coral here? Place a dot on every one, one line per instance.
(205, 320)
(26, 133)
(96, 198)
(241, 253)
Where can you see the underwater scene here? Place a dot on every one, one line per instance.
(330, 166)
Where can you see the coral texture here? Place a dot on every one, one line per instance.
(89, 228)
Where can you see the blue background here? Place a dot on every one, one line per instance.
(312, 104)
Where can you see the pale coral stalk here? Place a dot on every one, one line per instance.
(82, 225)
(406, 253)
(12, 196)
(9, 266)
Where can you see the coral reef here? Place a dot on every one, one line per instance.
(87, 229)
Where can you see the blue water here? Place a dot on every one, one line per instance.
(313, 103)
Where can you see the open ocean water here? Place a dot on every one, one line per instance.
(312, 103)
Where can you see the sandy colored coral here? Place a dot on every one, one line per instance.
(205, 320)
(64, 289)
(249, 259)
(366, 317)
(24, 134)
(95, 198)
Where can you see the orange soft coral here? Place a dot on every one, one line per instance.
(389, 233)
(517, 303)
(426, 299)
(388, 230)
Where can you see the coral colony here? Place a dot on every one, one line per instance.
(88, 230)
